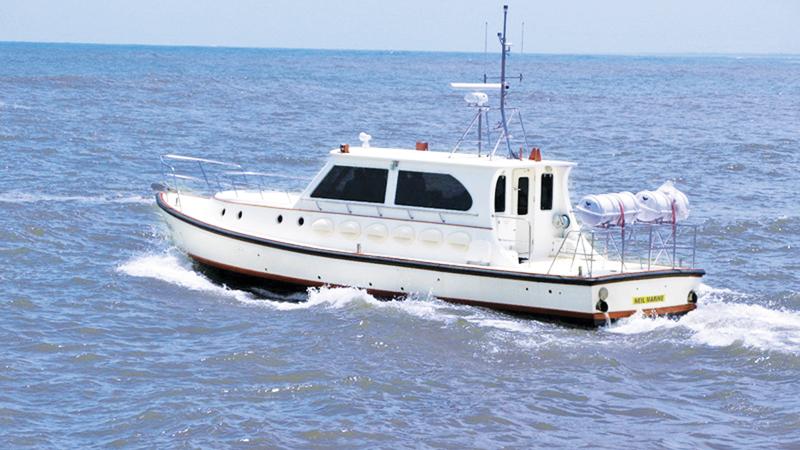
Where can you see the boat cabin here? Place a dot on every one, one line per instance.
(517, 208)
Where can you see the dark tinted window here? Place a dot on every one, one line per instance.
(546, 200)
(361, 184)
(522, 196)
(431, 190)
(500, 194)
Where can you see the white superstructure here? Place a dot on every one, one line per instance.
(472, 228)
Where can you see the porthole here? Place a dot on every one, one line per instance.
(280, 218)
(223, 212)
(239, 216)
(301, 221)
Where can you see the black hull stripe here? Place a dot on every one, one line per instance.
(425, 265)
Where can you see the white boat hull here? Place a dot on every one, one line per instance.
(565, 298)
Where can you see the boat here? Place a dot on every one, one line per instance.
(491, 226)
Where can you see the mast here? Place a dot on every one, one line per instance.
(503, 86)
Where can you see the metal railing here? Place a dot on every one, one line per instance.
(631, 248)
(481, 117)
(188, 173)
(380, 209)
(249, 181)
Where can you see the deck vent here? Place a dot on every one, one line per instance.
(364, 138)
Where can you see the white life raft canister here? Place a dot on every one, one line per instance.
(607, 209)
(657, 206)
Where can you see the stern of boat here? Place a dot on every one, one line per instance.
(655, 293)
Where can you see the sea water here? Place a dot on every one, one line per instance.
(111, 338)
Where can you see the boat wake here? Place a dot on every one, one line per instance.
(171, 267)
(723, 319)
(28, 197)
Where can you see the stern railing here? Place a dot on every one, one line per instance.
(630, 248)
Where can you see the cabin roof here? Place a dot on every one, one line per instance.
(443, 158)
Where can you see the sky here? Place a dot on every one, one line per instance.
(566, 26)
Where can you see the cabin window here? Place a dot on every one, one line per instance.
(431, 190)
(546, 198)
(500, 194)
(522, 196)
(360, 184)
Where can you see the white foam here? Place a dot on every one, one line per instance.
(638, 324)
(346, 297)
(502, 324)
(424, 307)
(723, 319)
(37, 197)
(169, 268)
(332, 298)
(172, 268)
(753, 326)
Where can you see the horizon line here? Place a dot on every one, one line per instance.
(540, 53)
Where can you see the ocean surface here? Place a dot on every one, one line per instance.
(110, 337)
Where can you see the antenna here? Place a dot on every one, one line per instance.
(522, 40)
(485, 38)
(479, 100)
(503, 85)
(485, 48)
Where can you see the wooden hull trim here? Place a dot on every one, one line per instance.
(591, 319)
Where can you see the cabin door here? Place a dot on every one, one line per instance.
(521, 202)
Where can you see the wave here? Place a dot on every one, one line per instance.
(28, 197)
(725, 318)
(170, 267)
